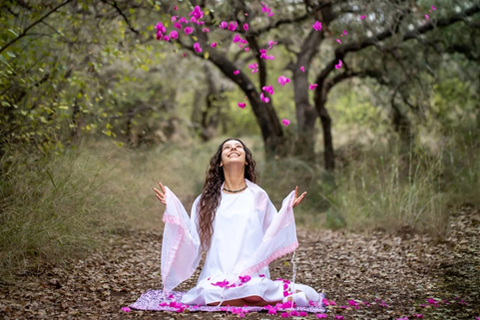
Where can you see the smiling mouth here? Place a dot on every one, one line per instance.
(237, 154)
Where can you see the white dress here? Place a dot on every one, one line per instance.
(248, 234)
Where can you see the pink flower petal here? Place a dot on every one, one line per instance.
(433, 8)
(206, 30)
(339, 65)
(338, 40)
(126, 309)
(312, 86)
(317, 26)
(427, 17)
(245, 27)
(197, 47)
(177, 25)
(175, 8)
(271, 43)
(345, 32)
(174, 34)
(242, 104)
(236, 72)
(223, 25)
(286, 122)
(283, 80)
(321, 316)
(174, 18)
(236, 38)
(213, 45)
(362, 17)
(302, 68)
(246, 49)
(284, 315)
(232, 26)
(159, 36)
(166, 38)
(188, 30)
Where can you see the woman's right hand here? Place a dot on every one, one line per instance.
(160, 194)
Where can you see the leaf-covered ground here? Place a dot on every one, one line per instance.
(395, 274)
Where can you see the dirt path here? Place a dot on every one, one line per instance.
(394, 274)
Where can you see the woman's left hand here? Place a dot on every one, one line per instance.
(298, 199)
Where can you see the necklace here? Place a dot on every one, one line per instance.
(235, 191)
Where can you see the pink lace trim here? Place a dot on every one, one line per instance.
(274, 256)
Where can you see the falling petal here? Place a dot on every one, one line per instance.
(283, 80)
(245, 27)
(240, 45)
(247, 49)
(246, 14)
(427, 17)
(338, 40)
(317, 26)
(242, 104)
(236, 72)
(271, 43)
(236, 38)
(433, 8)
(271, 14)
(362, 17)
(286, 122)
(213, 45)
(268, 89)
(197, 13)
(312, 86)
(232, 26)
(345, 32)
(223, 25)
(175, 8)
(174, 34)
(161, 28)
(339, 65)
(197, 47)
(302, 68)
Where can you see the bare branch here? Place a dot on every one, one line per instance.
(114, 4)
(24, 32)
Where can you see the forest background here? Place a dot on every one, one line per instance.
(94, 111)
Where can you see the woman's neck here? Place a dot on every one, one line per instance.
(234, 178)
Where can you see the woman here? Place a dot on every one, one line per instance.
(235, 222)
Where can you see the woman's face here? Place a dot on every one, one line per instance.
(232, 153)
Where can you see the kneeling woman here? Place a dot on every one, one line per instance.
(235, 222)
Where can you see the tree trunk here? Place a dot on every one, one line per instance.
(326, 122)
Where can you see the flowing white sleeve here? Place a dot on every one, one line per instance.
(280, 235)
(181, 243)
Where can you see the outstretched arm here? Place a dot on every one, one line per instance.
(180, 246)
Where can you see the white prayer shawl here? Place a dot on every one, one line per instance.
(248, 234)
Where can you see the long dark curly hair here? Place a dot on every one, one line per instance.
(211, 193)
